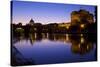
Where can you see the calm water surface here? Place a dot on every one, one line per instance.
(54, 48)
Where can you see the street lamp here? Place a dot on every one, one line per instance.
(82, 25)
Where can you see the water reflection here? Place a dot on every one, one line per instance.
(75, 46)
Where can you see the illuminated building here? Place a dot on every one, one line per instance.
(81, 17)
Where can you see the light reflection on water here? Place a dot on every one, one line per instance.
(57, 48)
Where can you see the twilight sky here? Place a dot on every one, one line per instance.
(44, 12)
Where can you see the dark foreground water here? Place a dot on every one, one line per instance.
(53, 48)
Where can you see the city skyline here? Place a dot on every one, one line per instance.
(45, 13)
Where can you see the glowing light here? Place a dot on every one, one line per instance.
(82, 40)
(67, 37)
(79, 45)
(82, 25)
(87, 47)
(81, 35)
(67, 27)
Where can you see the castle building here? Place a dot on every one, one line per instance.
(81, 17)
